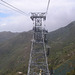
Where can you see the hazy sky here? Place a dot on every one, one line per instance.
(60, 13)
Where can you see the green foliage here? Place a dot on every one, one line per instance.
(62, 42)
(14, 53)
(65, 67)
(71, 73)
(68, 73)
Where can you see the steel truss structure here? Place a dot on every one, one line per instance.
(38, 56)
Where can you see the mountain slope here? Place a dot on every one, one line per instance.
(6, 36)
(62, 42)
(63, 33)
(14, 53)
(66, 67)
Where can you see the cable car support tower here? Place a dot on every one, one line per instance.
(38, 59)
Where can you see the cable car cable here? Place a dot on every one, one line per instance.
(48, 6)
(11, 8)
(14, 7)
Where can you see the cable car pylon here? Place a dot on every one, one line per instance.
(38, 56)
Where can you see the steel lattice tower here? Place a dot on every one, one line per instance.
(38, 59)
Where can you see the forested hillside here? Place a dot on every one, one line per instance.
(62, 52)
(14, 53)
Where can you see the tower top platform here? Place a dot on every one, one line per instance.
(38, 15)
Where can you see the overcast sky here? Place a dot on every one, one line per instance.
(60, 14)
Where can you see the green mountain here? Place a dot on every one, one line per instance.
(6, 36)
(62, 52)
(14, 53)
(65, 34)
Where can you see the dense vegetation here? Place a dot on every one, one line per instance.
(62, 52)
(71, 73)
(14, 53)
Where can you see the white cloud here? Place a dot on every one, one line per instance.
(61, 12)
(3, 24)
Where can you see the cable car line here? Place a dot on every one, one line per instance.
(18, 10)
(12, 8)
(48, 6)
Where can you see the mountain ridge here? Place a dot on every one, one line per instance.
(4, 36)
